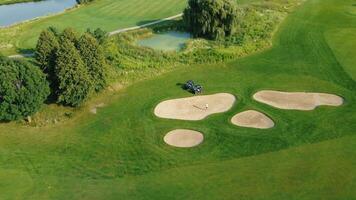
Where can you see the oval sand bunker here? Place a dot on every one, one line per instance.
(297, 100)
(194, 108)
(252, 119)
(183, 138)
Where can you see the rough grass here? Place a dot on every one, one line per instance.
(120, 152)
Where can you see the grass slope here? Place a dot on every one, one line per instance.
(343, 43)
(120, 153)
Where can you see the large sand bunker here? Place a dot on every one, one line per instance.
(252, 119)
(194, 108)
(297, 100)
(183, 138)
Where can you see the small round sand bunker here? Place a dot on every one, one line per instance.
(195, 108)
(252, 119)
(297, 100)
(183, 138)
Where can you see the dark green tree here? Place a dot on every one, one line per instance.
(74, 84)
(23, 89)
(94, 59)
(45, 54)
(99, 34)
(70, 34)
(211, 19)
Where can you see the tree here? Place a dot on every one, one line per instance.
(212, 19)
(99, 34)
(45, 54)
(74, 84)
(94, 59)
(70, 34)
(23, 89)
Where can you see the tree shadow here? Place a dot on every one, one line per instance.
(26, 52)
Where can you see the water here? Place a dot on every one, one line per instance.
(15, 13)
(169, 41)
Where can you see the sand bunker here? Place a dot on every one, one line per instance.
(194, 108)
(297, 100)
(252, 119)
(183, 138)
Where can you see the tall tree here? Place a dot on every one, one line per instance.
(46, 51)
(70, 34)
(73, 78)
(99, 34)
(93, 58)
(23, 89)
(212, 19)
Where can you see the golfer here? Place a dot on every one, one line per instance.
(206, 106)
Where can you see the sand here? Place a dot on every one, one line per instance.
(252, 119)
(194, 108)
(297, 100)
(183, 138)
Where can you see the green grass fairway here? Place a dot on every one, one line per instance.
(119, 153)
(106, 14)
(343, 44)
(109, 15)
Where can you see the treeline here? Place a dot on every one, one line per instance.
(70, 67)
(74, 64)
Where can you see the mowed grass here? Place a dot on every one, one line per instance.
(106, 14)
(343, 43)
(119, 153)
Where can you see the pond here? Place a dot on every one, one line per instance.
(169, 41)
(15, 13)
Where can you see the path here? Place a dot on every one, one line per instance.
(144, 25)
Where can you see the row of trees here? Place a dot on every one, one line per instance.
(75, 64)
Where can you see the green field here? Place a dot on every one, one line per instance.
(343, 42)
(106, 14)
(119, 153)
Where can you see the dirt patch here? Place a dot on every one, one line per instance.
(95, 108)
(252, 119)
(183, 138)
(195, 108)
(297, 100)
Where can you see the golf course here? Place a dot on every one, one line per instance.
(273, 123)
